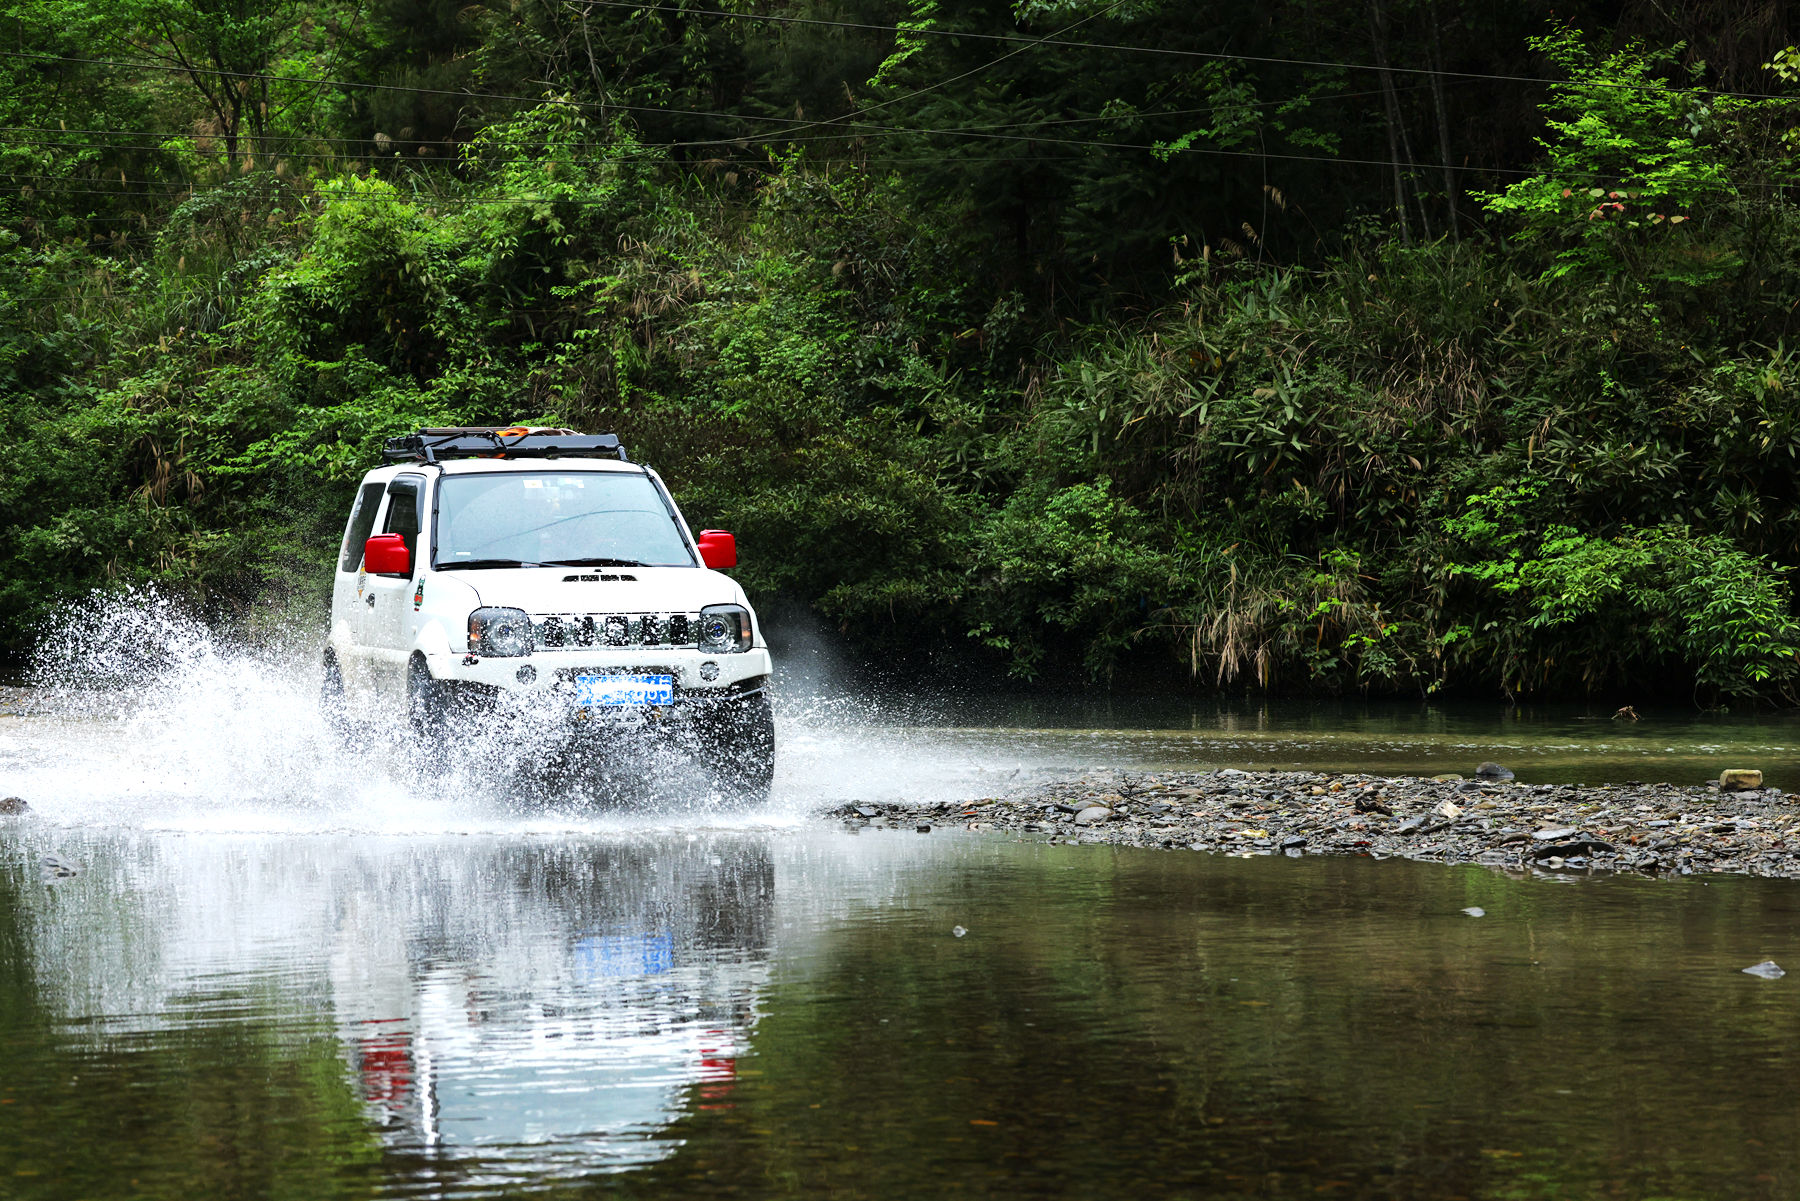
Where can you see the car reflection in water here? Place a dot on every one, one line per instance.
(556, 1017)
(510, 1007)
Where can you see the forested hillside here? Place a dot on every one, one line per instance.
(1383, 346)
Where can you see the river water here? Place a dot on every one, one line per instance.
(239, 959)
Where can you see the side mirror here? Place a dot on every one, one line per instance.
(386, 554)
(718, 549)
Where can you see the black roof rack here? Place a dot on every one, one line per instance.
(501, 442)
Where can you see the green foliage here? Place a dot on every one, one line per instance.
(1629, 158)
(1076, 564)
(380, 274)
(1606, 606)
(1655, 192)
(967, 367)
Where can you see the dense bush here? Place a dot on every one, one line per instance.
(953, 409)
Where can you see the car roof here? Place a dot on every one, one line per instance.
(490, 466)
(477, 466)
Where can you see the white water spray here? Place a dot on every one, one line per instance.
(144, 716)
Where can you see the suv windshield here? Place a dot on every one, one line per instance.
(506, 519)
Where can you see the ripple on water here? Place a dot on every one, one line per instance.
(757, 1014)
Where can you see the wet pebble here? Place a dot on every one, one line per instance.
(13, 806)
(1653, 828)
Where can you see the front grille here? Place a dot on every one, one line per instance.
(554, 630)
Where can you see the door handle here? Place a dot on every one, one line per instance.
(370, 599)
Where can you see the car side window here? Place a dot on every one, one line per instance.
(362, 524)
(406, 511)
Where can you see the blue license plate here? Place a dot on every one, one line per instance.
(594, 692)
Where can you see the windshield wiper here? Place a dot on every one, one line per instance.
(453, 564)
(593, 563)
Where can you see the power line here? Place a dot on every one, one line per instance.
(1134, 114)
(1025, 44)
(534, 101)
(860, 128)
(852, 130)
(896, 131)
(652, 151)
(52, 186)
(1167, 51)
(957, 78)
(1203, 151)
(602, 106)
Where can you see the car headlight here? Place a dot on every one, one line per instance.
(500, 632)
(724, 629)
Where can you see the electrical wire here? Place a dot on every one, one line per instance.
(942, 83)
(1134, 114)
(1169, 51)
(1024, 44)
(1087, 143)
(848, 120)
(51, 186)
(603, 106)
(191, 70)
(861, 129)
(853, 127)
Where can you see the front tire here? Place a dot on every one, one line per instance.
(333, 706)
(738, 749)
(427, 701)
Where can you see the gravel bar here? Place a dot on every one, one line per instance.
(1659, 829)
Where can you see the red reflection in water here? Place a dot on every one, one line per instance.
(385, 1066)
(718, 1071)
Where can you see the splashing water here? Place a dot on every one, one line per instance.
(147, 716)
(143, 715)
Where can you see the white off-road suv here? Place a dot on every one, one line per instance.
(541, 567)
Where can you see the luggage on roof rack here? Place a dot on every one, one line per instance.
(501, 442)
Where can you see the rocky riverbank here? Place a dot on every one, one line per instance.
(1653, 828)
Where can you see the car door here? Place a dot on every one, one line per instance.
(349, 613)
(388, 599)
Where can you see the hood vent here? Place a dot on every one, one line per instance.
(599, 579)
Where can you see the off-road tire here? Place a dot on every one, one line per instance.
(334, 706)
(737, 747)
(428, 701)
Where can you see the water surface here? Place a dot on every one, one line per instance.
(741, 1013)
(1567, 743)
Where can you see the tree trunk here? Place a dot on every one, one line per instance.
(1443, 124)
(1391, 102)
